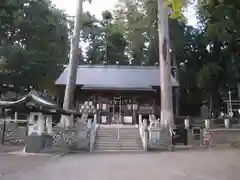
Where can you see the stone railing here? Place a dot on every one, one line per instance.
(92, 133)
(214, 133)
(224, 137)
(13, 131)
(154, 128)
(143, 130)
(221, 123)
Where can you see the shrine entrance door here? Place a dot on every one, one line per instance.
(116, 110)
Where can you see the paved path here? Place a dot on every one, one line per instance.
(184, 165)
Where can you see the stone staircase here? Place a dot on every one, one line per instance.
(107, 139)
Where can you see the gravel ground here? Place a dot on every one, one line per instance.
(182, 165)
(11, 164)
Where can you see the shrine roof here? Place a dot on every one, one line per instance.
(116, 77)
(37, 101)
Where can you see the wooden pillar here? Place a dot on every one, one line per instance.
(187, 123)
(95, 118)
(207, 123)
(140, 119)
(41, 123)
(49, 124)
(16, 115)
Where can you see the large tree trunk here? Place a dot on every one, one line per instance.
(165, 67)
(177, 90)
(238, 90)
(72, 67)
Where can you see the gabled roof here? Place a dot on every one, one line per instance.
(35, 100)
(116, 77)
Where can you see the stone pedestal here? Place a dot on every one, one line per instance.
(38, 138)
(227, 123)
(195, 137)
(34, 144)
(166, 139)
(154, 134)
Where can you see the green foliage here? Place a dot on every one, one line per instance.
(177, 7)
(106, 40)
(220, 20)
(34, 43)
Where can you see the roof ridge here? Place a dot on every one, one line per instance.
(116, 66)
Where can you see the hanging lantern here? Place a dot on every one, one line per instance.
(135, 106)
(98, 106)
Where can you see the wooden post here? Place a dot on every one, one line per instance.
(16, 115)
(49, 125)
(145, 135)
(187, 123)
(41, 123)
(207, 123)
(140, 118)
(3, 132)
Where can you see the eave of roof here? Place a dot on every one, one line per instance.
(114, 76)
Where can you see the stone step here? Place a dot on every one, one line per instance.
(118, 148)
(116, 132)
(112, 130)
(119, 151)
(118, 143)
(122, 130)
(107, 140)
(118, 139)
(115, 135)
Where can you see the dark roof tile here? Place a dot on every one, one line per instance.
(130, 77)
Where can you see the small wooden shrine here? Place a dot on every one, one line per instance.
(39, 110)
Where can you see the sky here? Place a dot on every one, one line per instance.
(97, 6)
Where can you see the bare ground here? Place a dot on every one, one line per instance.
(182, 165)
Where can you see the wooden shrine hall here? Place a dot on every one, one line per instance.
(118, 93)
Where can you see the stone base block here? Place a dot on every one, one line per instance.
(34, 144)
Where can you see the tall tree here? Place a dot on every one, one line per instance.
(106, 40)
(72, 66)
(34, 44)
(221, 30)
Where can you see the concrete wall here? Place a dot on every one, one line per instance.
(14, 134)
(229, 137)
(74, 139)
